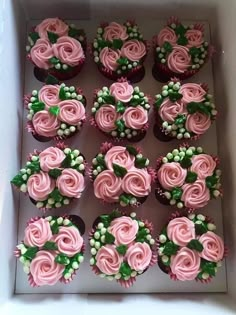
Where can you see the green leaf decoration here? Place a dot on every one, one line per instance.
(141, 235)
(109, 99)
(131, 150)
(117, 43)
(186, 162)
(107, 218)
(51, 79)
(208, 267)
(168, 47)
(170, 248)
(180, 30)
(109, 238)
(119, 170)
(67, 161)
(18, 180)
(54, 228)
(34, 36)
(122, 61)
(122, 249)
(54, 60)
(176, 193)
(141, 162)
(182, 40)
(56, 195)
(211, 181)
(54, 110)
(124, 198)
(62, 94)
(62, 259)
(75, 33)
(53, 37)
(101, 161)
(50, 246)
(104, 43)
(31, 253)
(120, 108)
(125, 270)
(195, 245)
(34, 166)
(135, 101)
(194, 107)
(115, 214)
(37, 106)
(180, 120)
(175, 96)
(200, 229)
(191, 177)
(194, 51)
(158, 102)
(120, 124)
(54, 173)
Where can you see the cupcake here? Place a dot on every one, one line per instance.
(188, 178)
(52, 249)
(121, 175)
(119, 51)
(122, 247)
(53, 177)
(121, 111)
(189, 249)
(179, 51)
(57, 49)
(183, 111)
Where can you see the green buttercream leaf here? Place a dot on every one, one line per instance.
(109, 99)
(180, 30)
(122, 249)
(104, 43)
(195, 245)
(51, 79)
(101, 161)
(50, 246)
(140, 162)
(158, 102)
(175, 96)
(186, 162)
(67, 161)
(37, 106)
(52, 37)
(191, 177)
(62, 94)
(120, 124)
(109, 238)
(125, 270)
(194, 51)
(135, 101)
(115, 214)
(105, 219)
(141, 235)
(208, 267)
(211, 181)
(18, 180)
(75, 33)
(170, 248)
(182, 40)
(54, 60)
(180, 120)
(201, 228)
(194, 107)
(131, 150)
(34, 166)
(54, 110)
(117, 43)
(168, 47)
(54, 173)
(124, 198)
(176, 193)
(119, 170)
(122, 61)
(56, 195)
(62, 259)
(34, 36)
(54, 228)
(120, 108)
(31, 253)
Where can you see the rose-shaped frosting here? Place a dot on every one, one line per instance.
(107, 186)
(179, 59)
(198, 123)
(71, 183)
(45, 124)
(181, 231)
(115, 31)
(213, 247)
(68, 50)
(135, 117)
(124, 229)
(119, 155)
(192, 92)
(171, 175)
(40, 185)
(108, 260)
(134, 50)
(137, 183)
(122, 91)
(51, 158)
(53, 25)
(105, 118)
(169, 110)
(139, 256)
(69, 240)
(40, 53)
(195, 38)
(44, 269)
(49, 95)
(195, 195)
(109, 57)
(185, 264)
(71, 111)
(37, 233)
(166, 35)
(203, 165)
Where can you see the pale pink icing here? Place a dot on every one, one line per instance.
(213, 247)
(192, 92)
(195, 195)
(166, 35)
(49, 95)
(37, 233)
(105, 118)
(45, 124)
(139, 256)
(51, 158)
(169, 110)
(71, 111)
(124, 229)
(119, 155)
(69, 240)
(195, 38)
(109, 57)
(115, 31)
(137, 182)
(198, 123)
(122, 91)
(108, 260)
(44, 269)
(171, 175)
(179, 59)
(53, 25)
(71, 183)
(40, 185)
(135, 117)
(203, 165)
(185, 264)
(134, 50)
(68, 50)
(181, 231)
(41, 52)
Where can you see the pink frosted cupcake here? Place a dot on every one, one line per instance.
(122, 247)
(53, 177)
(55, 112)
(52, 249)
(183, 111)
(121, 111)
(56, 49)
(188, 178)
(119, 51)
(189, 248)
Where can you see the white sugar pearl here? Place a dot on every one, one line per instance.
(97, 235)
(93, 251)
(92, 242)
(165, 259)
(162, 238)
(211, 226)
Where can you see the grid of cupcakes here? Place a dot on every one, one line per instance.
(52, 249)
(121, 111)
(52, 178)
(120, 174)
(55, 112)
(122, 247)
(119, 51)
(188, 178)
(183, 111)
(180, 50)
(57, 49)
(189, 249)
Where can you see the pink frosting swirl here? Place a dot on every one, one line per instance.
(213, 247)
(169, 110)
(44, 269)
(38, 233)
(45, 124)
(106, 117)
(137, 182)
(40, 185)
(71, 111)
(41, 52)
(108, 260)
(192, 92)
(68, 50)
(195, 38)
(166, 35)
(53, 25)
(122, 91)
(109, 57)
(195, 195)
(124, 229)
(181, 231)
(171, 175)
(179, 59)
(134, 50)
(51, 158)
(139, 256)
(203, 165)
(107, 186)
(198, 123)
(115, 31)
(69, 240)
(119, 155)
(49, 95)
(71, 183)
(185, 264)
(135, 117)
